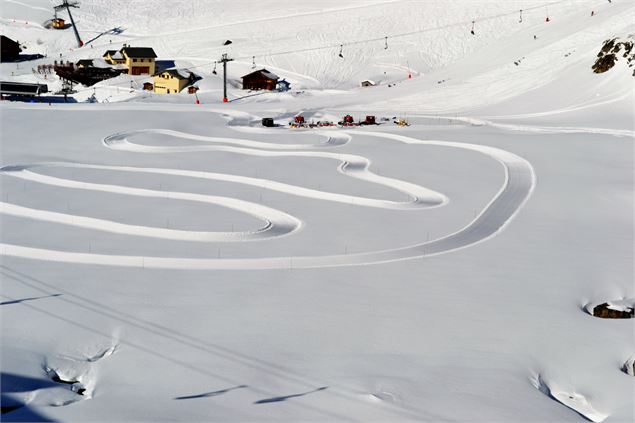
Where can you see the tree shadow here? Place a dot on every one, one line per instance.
(211, 394)
(27, 299)
(286, 397)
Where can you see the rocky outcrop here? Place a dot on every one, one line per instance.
(610, 311)
(610, 53)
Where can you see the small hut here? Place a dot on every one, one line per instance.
(260, 80)
(368, 83)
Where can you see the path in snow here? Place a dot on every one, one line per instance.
(277, 223)
(518, 186)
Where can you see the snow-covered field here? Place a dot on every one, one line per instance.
(179, 262)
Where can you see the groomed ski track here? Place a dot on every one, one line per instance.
(518, 185)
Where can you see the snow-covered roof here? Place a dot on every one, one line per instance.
(180, 73)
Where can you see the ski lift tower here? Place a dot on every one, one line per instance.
(224, 59)
(67, 5)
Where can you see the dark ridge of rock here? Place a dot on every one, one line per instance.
(604, 63)
(610, 52)
(603, 311)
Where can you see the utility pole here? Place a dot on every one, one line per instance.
(224, 60)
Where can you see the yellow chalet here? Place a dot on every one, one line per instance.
(114, 57)
(172, 81)
(138, 60)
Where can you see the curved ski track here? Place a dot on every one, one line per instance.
(517, 188)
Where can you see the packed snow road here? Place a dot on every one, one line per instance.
(518, 185)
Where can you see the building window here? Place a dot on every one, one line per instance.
(134, 60)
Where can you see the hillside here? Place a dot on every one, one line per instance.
(166, 257)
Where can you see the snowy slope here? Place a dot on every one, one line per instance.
(178, 262)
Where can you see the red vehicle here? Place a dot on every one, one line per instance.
(348, 120)
(298, 122)
(370, 120)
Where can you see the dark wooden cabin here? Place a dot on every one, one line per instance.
(9, 49)
(260, 80)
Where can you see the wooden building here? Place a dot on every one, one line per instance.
(260, 80)
(58, 23)
(172, 81)
(368, 83)
(9, 49)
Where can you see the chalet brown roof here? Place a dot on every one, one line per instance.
(264, 72)
(142, 52)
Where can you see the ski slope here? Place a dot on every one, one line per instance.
(175, 261)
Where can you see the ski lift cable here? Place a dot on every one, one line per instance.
(370, 40)
(404, 34)
(399, 35)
